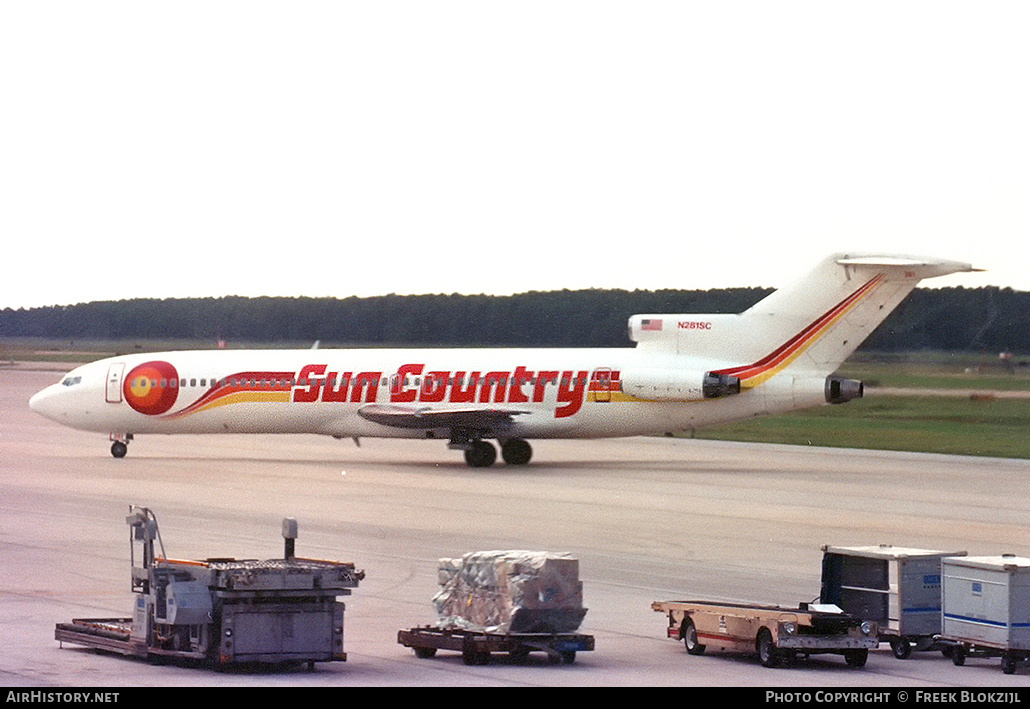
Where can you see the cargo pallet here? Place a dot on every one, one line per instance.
(476, 646)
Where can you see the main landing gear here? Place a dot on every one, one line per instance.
(482, 454)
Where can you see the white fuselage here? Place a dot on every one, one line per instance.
(572, 393)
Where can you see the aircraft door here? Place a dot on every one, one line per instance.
(114, 382)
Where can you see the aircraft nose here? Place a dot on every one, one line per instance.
(42, 402)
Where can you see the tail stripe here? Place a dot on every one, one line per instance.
(752, 375)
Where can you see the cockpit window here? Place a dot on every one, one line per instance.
(71, 381)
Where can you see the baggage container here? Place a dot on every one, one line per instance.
(986, 608)
(897, 587)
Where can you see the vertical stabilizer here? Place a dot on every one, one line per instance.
(814, 324)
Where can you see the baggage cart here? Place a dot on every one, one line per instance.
(477, 646)
(897, 587)
(986, 611)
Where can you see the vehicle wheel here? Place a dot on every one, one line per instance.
(119, 449)
(1008, 663)
(516, 451)
(480, 455)
(958, 656)
(901, 648)
(690, 638)
(856, 658)
(519, 654)
(471, 656)
(568, 657)
(424, 653)
(768, 654)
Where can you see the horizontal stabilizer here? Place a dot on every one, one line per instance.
(909, 266)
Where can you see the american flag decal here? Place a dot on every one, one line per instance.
(647, 324)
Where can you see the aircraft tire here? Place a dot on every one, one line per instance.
(516, 451)
(119, 449)
(480, 455)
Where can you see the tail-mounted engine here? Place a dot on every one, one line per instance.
(718, 385)
(841, 391)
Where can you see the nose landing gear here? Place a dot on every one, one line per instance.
(120, 445)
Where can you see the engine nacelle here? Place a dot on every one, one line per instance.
(677, 384)
(840, 390)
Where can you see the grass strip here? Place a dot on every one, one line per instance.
(980, 426)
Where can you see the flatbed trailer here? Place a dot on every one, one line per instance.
(774, 633)
(476, 646)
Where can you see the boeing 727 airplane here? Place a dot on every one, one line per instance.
(685, 372)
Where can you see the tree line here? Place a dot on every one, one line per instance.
(957, 319)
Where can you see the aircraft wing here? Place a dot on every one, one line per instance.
(428, 417)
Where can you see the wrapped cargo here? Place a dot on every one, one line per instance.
(510, 591)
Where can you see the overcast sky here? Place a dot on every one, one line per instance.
(359, 148)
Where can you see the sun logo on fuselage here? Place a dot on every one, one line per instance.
(152, 387)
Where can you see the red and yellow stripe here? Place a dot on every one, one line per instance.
(243, 387)
(751, 375)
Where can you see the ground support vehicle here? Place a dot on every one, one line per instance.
(224, 611)
(899, 588)
(476, 646)
(986, 608)
(775, 633)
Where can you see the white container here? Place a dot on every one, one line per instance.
(986, 602)
(898, 587)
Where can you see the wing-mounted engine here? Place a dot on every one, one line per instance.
(667, 384)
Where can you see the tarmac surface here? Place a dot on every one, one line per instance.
(648, 518)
